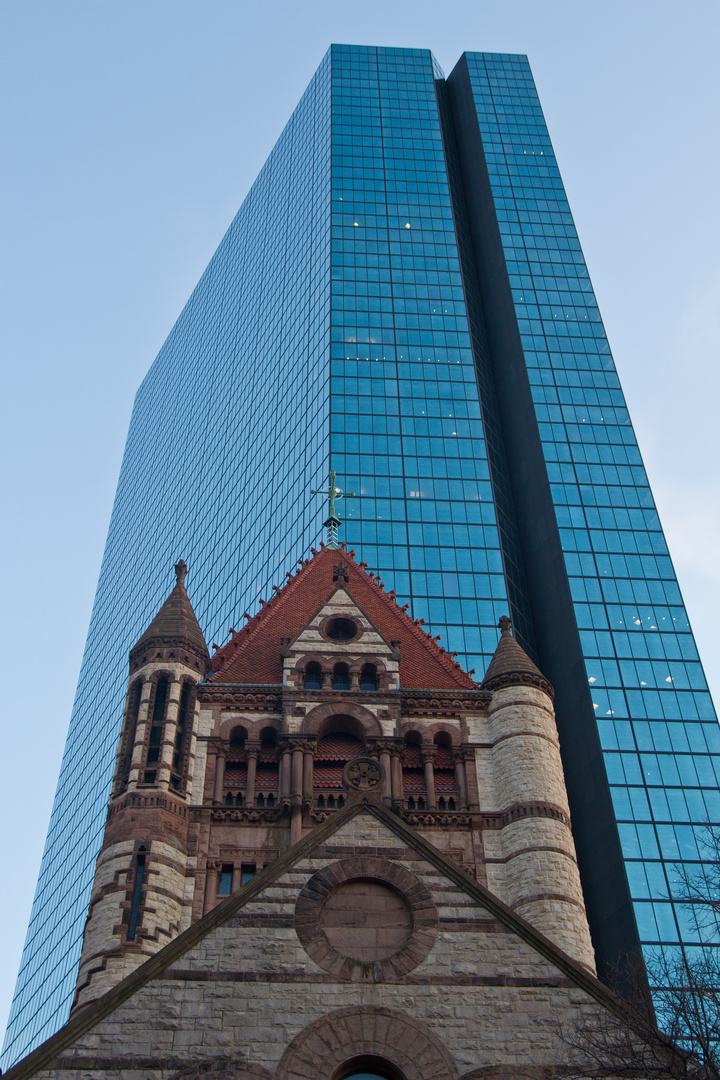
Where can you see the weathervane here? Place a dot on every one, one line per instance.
(333, 521)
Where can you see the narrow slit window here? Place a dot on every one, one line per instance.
(129, 744)
(182, 722)
(156, 730)
(137, 892)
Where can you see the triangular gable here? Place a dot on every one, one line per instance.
(192, 954)
(253, 653)
(340, 602)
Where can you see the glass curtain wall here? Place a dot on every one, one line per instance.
(406, 428)
(655, 718)
(228, 433)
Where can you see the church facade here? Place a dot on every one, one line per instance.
(329, 851)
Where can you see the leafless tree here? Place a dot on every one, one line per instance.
(672, 1031)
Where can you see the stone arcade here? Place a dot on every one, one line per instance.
(329, 850)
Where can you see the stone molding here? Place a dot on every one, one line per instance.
(518, 811)
(371, 868)
(247, 815)
(154, 799)
(389, 1035)
(522, 678)
(444, 819)
(263, 699)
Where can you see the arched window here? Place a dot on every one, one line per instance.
(268, 738)
(313, 676)
(365, 1074)
(341, 677)
(182, 736)
(156, 729)
(238, 735)
(368, 677)
(130, 730)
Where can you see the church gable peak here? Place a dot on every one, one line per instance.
(338, 626)
(253, 654)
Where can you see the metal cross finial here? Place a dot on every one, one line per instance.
(333, 521)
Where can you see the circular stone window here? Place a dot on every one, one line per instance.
(366, 919)
(341, 629)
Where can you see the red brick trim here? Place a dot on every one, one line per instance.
(406, 1047)
(423, 910)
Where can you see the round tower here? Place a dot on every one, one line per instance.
(542, 881)
(138, 900)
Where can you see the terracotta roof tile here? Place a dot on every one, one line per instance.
(253, 654)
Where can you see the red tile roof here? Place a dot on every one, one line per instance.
(253, 654)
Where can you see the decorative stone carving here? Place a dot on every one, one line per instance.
(363, 774)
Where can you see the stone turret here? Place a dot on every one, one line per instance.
(138, 901)
(541, 878)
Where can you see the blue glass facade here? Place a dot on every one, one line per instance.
(228, 433)
(406, 426)
(611, 629)
(403, 293)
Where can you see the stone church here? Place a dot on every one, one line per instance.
(330, 853)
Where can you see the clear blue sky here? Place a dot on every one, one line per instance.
(130, 132)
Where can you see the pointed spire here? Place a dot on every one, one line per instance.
(511, 665)
(175, 622)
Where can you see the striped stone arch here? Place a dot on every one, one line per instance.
(407, 1048)
(365, 717)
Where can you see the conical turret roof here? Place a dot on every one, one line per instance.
(175, 622)
(511, 665)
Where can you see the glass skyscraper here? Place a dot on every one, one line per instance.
(402, 296)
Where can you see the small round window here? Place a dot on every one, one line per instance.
(341, 629)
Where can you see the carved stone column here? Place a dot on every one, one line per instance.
(211, 884)
(397, 783)
(236, 878)
(308, 770)
(295, 824)
(219, 775)
(252, 756)
(461, 781)
(470, 778)
(387, 791)
(297, 775)
(285, 771)
(428, 757)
